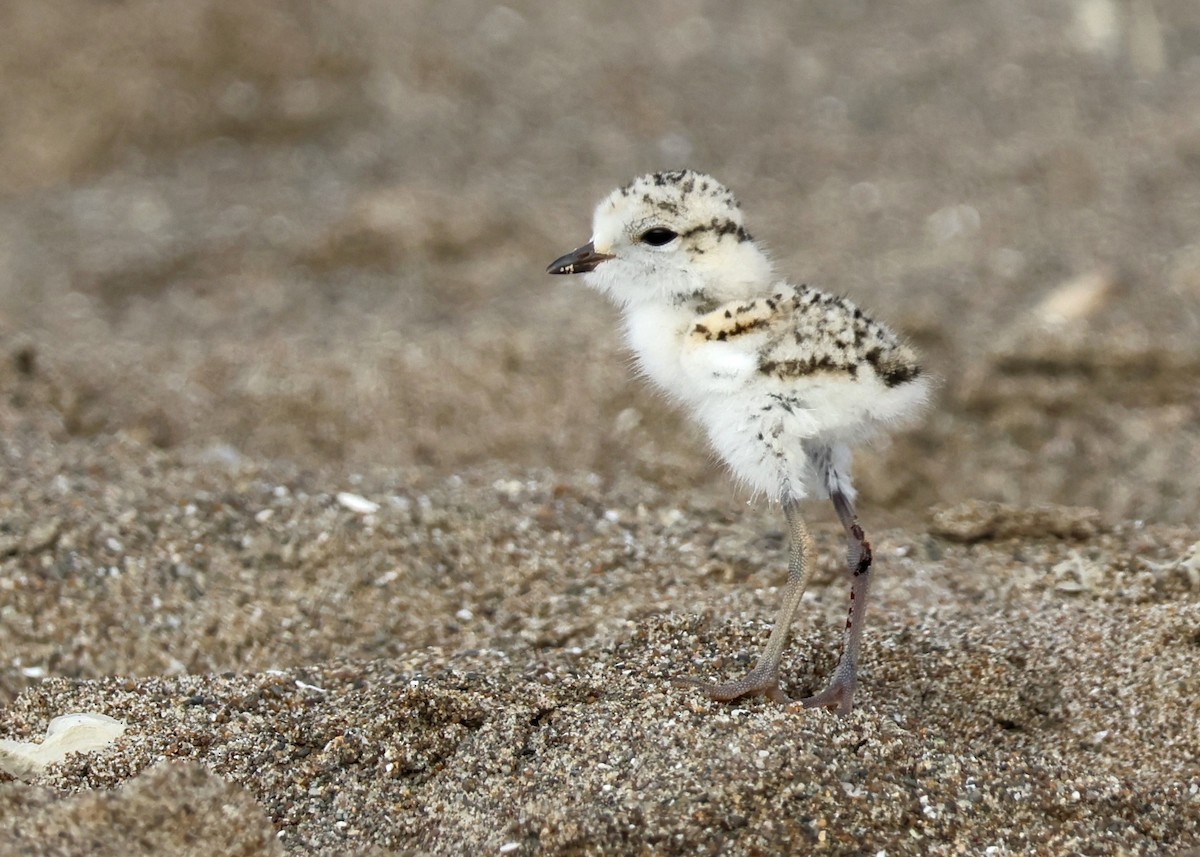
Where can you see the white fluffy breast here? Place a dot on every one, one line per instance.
(656, 334)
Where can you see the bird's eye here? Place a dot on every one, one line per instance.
(658, 236)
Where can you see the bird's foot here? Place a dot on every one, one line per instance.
(839, 696)
(755, 683)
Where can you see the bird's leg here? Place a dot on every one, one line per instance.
(764, 678)
(839, 694)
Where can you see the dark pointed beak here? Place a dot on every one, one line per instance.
(578, 261)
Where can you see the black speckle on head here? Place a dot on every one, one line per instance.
(669, 177)
(720, 228)
(667, 206)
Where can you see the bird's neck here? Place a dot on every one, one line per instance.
(738, 272)
(656, 333)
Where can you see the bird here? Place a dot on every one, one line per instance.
(784, 379)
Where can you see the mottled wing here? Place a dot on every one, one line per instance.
(820, 333)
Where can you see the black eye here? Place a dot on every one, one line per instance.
(658, 236)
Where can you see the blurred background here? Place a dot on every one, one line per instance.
(317, 231)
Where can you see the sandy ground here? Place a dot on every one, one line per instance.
(257, 256)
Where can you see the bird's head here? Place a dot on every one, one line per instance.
(666, 236)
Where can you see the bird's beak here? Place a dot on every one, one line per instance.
(578, 261)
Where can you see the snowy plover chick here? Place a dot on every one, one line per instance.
(783, 378)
